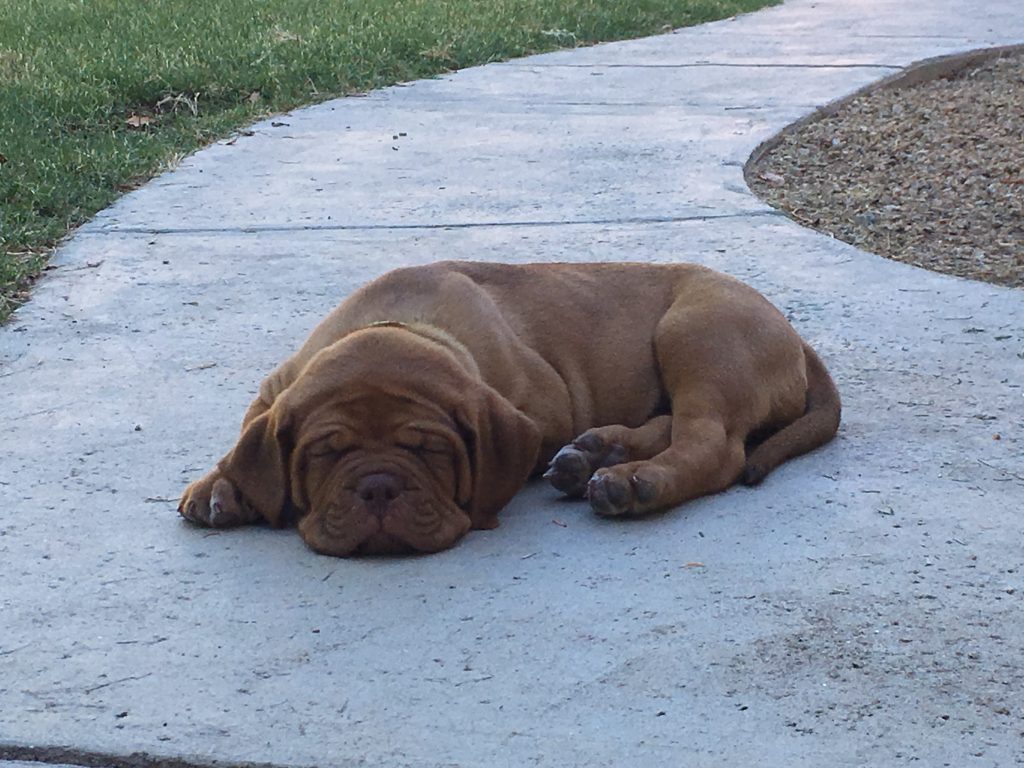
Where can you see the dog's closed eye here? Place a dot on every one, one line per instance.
(423, 438)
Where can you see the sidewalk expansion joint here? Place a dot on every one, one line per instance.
(730, 65)
(79, 758)
(272, 228)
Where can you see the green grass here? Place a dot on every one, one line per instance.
(74, 72)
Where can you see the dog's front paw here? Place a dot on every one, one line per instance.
(214, 501)
(572, 467)
(612, 494)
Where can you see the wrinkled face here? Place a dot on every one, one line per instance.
(380, 475)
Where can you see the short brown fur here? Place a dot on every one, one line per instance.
(418, 407)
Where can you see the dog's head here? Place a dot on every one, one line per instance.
(385, 443)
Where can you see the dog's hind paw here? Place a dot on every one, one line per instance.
(569, 471)
(572, 467)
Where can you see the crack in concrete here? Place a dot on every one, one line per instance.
(964, 41)
(82, 758)
(272, 228)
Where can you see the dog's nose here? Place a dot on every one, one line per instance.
(378, 490)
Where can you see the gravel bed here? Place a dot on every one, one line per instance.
(930, 174)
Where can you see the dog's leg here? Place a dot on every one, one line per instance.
(573, 466)
(711, 372)
(729, 363)
(702, 459)
(213, 500)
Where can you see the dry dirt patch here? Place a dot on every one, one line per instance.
(931, 174)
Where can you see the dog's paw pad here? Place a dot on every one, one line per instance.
(228, 507)
(569, 471)
(224, 506)
(644, 490)
(609, 496)
(214, 501)
(612, 495)
(571, 468)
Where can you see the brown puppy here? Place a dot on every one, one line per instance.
(418, 407)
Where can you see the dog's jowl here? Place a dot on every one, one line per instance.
(418, 407)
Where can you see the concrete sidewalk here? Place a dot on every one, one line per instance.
(863, 607)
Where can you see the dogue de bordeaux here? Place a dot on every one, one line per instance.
(420, 405)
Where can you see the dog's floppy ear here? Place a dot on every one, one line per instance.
(502, 443)
(258, 464)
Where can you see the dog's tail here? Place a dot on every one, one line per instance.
(816, 427)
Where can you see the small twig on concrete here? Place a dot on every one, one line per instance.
(118, 682)
(474, 680)
(1000, 469)
(87, 265)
